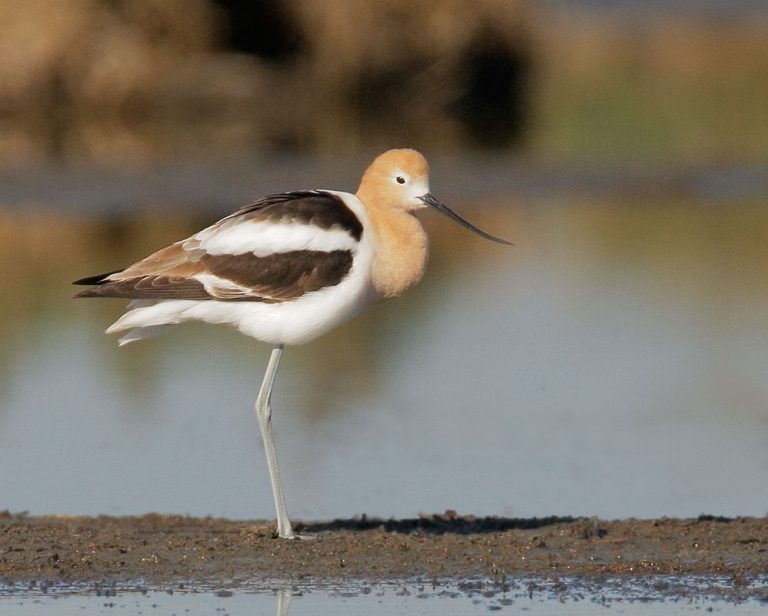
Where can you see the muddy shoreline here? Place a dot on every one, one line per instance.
(162, 549)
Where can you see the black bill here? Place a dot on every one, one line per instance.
(430, 200)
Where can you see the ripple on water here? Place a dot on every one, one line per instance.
(561, 595)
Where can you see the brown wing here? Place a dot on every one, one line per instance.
(274, 278)
(279, 276)
(167, 273)
(186, 271)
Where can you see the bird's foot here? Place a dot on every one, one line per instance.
(296, 536)
(289, 533)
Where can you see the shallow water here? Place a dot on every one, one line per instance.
(611, 363)
(562, 596)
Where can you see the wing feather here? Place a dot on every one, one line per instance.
(185, 270)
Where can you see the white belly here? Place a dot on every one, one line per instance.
(293, 322)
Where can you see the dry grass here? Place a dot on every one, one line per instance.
(666, 89)
(139, 80)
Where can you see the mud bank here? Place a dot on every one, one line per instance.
(160, 549)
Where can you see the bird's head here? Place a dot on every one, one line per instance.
(399, 179)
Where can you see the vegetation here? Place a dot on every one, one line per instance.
(140, 80)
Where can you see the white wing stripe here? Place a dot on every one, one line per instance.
(264, 238)
(222, 288)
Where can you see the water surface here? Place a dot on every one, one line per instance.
(566, 596)
(611, 363)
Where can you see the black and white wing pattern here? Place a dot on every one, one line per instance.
(274, 250)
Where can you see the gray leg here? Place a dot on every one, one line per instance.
(264, 415)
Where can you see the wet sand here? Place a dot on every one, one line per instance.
(161, 549)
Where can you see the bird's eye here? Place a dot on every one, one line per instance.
(400, 179)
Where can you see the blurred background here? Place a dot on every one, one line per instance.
(613, 362)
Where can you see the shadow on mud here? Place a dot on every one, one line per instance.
(439, 524)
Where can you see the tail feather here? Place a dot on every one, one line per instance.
(143, 320)
(97, 280)
(143, 314)
(92, 292)
(91, 280)
(139, 333)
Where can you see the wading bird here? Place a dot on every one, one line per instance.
(286, 269)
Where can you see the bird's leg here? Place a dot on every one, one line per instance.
(264, 415)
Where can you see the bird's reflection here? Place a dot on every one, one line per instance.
(283, 601)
